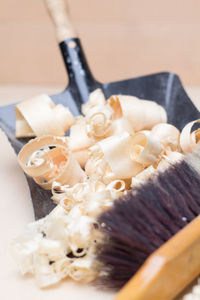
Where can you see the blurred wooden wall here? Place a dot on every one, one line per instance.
(122, 39)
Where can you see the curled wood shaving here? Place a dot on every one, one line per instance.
(145, 149)
(168, 135)
(188, 139)
(96, 98)
(99, 120)
(141, 114)
(49, 159)
(111, 157)
(118, 126)
(39, 116)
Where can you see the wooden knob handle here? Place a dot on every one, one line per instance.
(59, 13)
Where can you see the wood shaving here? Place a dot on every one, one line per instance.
(188, 139)
(39, 116)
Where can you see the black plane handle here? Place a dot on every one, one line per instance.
(80, 76)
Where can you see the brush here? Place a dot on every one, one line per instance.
(155, 226)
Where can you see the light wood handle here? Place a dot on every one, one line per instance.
(59, 13)
(169, 269)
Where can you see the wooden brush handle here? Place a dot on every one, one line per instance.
(59, 13)
(169, 269)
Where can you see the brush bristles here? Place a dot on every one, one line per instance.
(145, 219)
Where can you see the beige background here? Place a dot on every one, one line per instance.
(122, 38)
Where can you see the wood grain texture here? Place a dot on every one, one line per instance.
(122, 39)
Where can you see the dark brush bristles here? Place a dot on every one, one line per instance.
(141, 222)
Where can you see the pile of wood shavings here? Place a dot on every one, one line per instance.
(113, 147)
